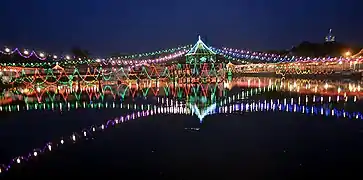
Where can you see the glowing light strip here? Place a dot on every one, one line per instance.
(28, 76)
(244, 94)
(44, 56)
(245, 54)
(143, 61)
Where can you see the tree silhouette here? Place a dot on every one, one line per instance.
(79, 53)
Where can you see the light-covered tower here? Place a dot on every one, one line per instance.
(330, 37)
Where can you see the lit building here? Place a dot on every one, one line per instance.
(330, 37)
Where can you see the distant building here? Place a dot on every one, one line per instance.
(330, 37)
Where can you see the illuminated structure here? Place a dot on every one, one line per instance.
(200, 53)
(202, 61)
(330, 37)
(201, 64)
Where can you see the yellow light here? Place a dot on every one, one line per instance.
(348, 53)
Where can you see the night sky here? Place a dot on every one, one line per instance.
(127, 26)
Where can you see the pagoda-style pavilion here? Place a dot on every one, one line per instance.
(202, 61)
(200, 53)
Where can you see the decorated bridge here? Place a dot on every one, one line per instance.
(197, 62)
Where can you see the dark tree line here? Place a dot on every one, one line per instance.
(332, 49)
(80, 53)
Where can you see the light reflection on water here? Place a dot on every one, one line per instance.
(122, 91)
(243, 95)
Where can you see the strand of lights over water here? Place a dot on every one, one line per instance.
(194, 91)
(149, 88)
(244, 95)
(40, 96)
(265, 106)
(46, 100)
(67, 106)
(54, 105)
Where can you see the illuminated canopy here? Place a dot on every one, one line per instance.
(200, 49)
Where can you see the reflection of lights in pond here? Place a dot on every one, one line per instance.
(192, 129)
(201, 115)
(203, 99)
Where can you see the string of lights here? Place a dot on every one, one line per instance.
(66, 76)
(236, 55)
(163, 59)
(25, 53)
(48, 100)
(148, 54)
(275, 58)
(115, 61)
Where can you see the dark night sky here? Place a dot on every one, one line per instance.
(108, 26)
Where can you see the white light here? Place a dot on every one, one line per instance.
(67, 57)
(18, 160)
(55, 57)
(35, 153)
(41, 55)
(62, 141)
(84, 133)
(26, 52)
(49, 147)
(7, 50)
(93, 129)
(74, 137)
(103, 126)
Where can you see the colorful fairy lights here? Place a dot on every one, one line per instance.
(146, 72)
(45, 56)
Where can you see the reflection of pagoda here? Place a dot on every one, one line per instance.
(202, 106)
(330, 37)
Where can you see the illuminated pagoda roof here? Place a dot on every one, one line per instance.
(200, 49)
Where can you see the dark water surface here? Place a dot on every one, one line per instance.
(251, 145)
(298, 144)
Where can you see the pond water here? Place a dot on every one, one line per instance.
(246, 128)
